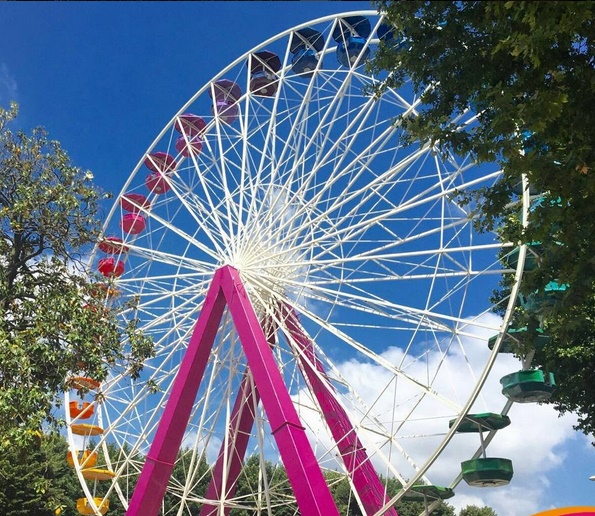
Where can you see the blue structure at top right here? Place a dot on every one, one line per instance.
(350, 34)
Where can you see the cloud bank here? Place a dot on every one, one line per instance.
(535, 441)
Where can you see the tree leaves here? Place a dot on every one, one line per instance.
(528, 70)
(52, 323)
(37, 480)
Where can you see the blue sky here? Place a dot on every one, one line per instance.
(105, 78)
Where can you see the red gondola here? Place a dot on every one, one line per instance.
(113, 245)
(110, 267)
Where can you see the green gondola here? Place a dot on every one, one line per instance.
(481, 422)
(517, 338)
(540, 300)
(534, 251)
(528, 386)
(422, 492)
(518, 189)
(487, 472)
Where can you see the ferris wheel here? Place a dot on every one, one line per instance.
(318, 299)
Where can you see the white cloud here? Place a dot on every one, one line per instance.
(213, 444)
(8, 86)
(534, 441)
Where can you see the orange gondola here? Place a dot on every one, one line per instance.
(83, 410)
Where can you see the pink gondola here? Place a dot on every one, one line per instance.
(194, 146)
(226, 94)
(133, 223)
(111, 267)
(161, 162)
(134, 202)
(113, 245)
(190, 124)
(157, 183)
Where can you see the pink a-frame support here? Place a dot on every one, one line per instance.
(363, 475)
(312, 494)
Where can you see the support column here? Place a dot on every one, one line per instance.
(234, 448)
(307, 481)
(311, 492)
(364, 477)
(152, 483)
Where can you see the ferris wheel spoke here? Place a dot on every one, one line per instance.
(362, 225)
(182, 234)
(208, 202)
(354, 131)
(207, 218)
(164, 258)
(160, 317)
(290, 178)
(368, 353)
(350, 196)
(367, 251)
(303, 114)
(377, 305)
(338, 377)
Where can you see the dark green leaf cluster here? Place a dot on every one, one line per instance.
(527, 69)
(37, 480)
(474, 510)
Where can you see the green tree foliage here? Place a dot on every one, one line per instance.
(528, 70)
(251, 481)
(339, 487)
(341, 492)
(417, 508)
(37, 480)
(127, 480)
(186, 468)
(347, 505)
(473, 510)
(52, 320)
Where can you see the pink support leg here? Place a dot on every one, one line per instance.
(152, 483)
(312, 494)
(226, 473)
(241, 423)
(365, 479)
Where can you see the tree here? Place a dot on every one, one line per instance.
(339, 486)
(528, 70)
(52, 321)
(474, 510)
(250, 482)
(342, 494)
(37, 480)
(417, 508)
(200, 477)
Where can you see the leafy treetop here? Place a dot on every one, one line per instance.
(527, 69)
(53, 317)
